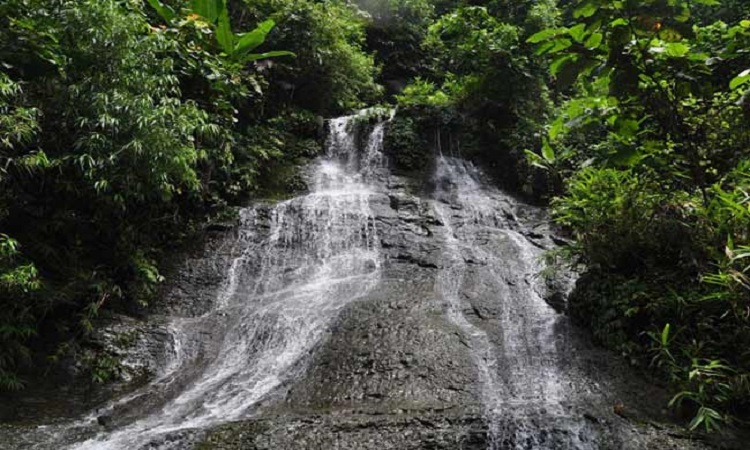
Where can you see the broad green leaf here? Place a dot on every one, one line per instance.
(165, 11)
(274, 54)
(548, 152)
(670, 35)
(739, 80)
(557, 127)
(544, 48)
(558, 64)
(560, 45)
(251, 40)
(586, 10)
(708, 2)
(578, 32)
(676, 50)
(541, 36)
(594, 41)
(224, 34)
(684, 15)
(535, 160)
(209, 9)
(745, 23)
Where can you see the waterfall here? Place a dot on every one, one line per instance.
(375, 312)
(319, 253)
(520, 381)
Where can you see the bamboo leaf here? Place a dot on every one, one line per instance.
(665, 336)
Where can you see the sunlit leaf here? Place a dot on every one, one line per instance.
(542, 36)
(224, 34)
(253, 39)
(588, 9)
(665, 335)
(274, 54)
(740, 79)
(165, 11)
(594, 41)
(578, 32)
(558, 64)
(548, 152)
(535, 160)
(560, 45)
(676, 49)
(209, 9)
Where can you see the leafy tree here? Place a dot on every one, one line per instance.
(650, 138)
(124, 127)
(331, 73)
(395, 33)
(469, 49)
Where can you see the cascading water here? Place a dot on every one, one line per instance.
(320, 253)
(521, 383)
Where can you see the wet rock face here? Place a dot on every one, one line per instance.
(395, 373)
(193, 283)
(437, 430)
(392, 351)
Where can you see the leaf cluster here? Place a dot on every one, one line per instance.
(649, 141)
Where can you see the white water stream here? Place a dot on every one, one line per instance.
(516, 361)
(320, 254)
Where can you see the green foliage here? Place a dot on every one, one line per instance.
(466, 40)
(423, 93)
(214, 14)
(395, 33)
(101, 366)
(331, 73)
(125, 126)
(622, 221)
(19, 280)
(468, 49)
(416, 133)
(650, 137)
